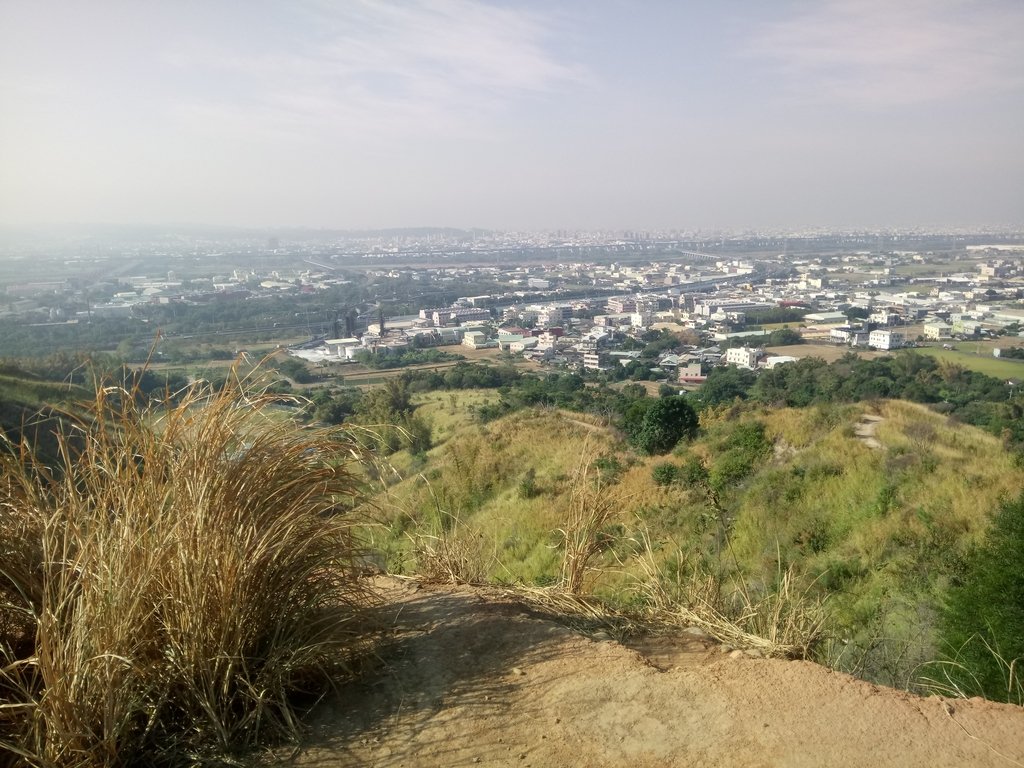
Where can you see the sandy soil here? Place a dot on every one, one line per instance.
(472, 677)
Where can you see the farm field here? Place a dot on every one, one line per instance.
(827, 352)
(360, 375)
(977, 357)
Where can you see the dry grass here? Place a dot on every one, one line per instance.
(787, 620)
(171, 585)
(591, 506)
(452, 552)
(827, 352)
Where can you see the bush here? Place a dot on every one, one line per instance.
(172, 583)
(664, 423)
(665, 474)
(983, 621)
(528, 485)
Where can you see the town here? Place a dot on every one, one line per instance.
(643, 307)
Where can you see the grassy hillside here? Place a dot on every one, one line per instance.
(877, 522)
(27, 407)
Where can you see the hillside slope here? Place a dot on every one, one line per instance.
(473, 677)
(874, 507)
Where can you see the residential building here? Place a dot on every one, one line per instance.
(882, 339)
(620, 305)
(641, 319)
(550, 316)
(460, 316)
(845, 334)
(691, 374)
(936, 331)
(884, 317)
(742, 357)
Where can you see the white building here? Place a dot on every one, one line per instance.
(771, 362)
(550, 317)
(547, 341)
(844, 334)
(640, 319)
(742, 357)
(937, 331)
(882, 339)
(522, 345)
(337, 346)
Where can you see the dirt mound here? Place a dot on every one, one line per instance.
(475, 678)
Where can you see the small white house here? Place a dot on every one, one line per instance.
(882, 339)
(742, 357)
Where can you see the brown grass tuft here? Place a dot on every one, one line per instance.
(786, 620)
(171, 585)
(591, 506)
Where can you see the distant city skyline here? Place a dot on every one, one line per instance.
(526, 116)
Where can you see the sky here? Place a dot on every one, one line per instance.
(587, 115)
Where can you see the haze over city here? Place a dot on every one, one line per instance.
(519, 116)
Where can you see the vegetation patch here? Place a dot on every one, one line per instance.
(176, 585)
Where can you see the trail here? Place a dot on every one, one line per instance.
(867, 429)
(472, 677)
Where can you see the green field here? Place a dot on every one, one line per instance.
(980, 360)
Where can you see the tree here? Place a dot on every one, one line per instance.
(667, 390)
(725, 384)
(665, 423)
(983, 621)
(689, 337)
(784, 337)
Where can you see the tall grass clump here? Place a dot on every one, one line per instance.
(592, 505)
(785, 619)
(174, 582)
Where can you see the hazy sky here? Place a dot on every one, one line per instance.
(604, 114)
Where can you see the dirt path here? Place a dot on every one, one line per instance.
(867, 429)
(473, 678)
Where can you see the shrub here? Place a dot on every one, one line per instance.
(528, 484)
(172, 583)
(729, 470)
(665, 474)
(664, 423)
(983, 622)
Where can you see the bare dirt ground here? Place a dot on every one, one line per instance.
(474, 677)
(827, 352)
(866, 429)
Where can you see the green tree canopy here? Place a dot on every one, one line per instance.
(665, 422)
